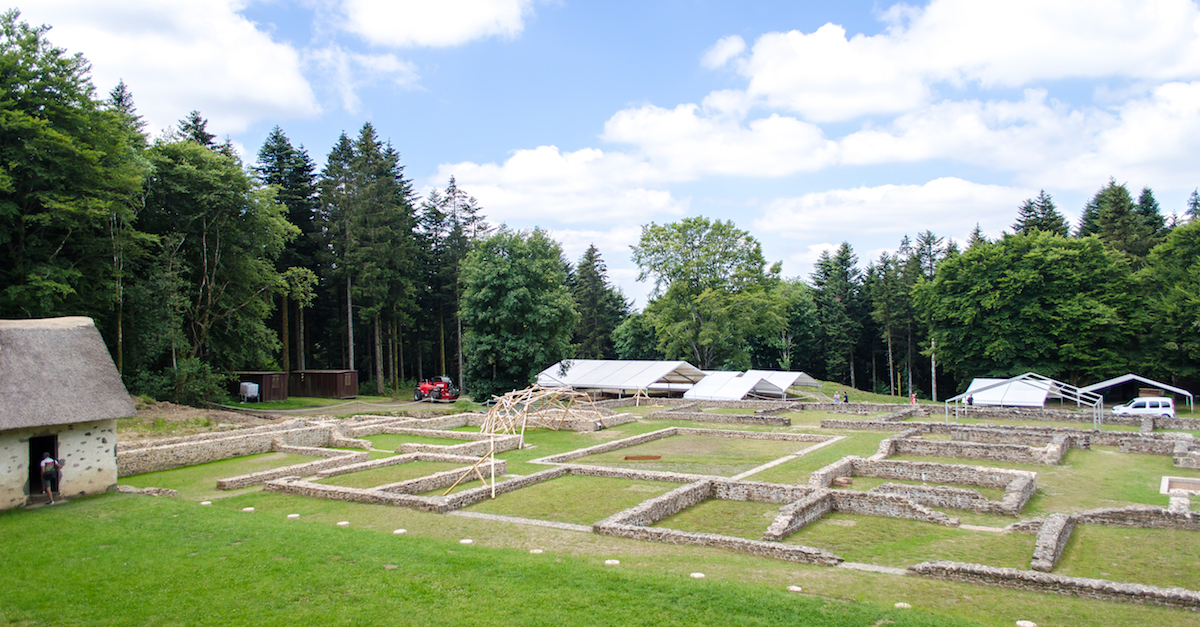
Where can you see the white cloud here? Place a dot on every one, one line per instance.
(406, 23)
(184, 55)
(565, 187)
(725, 49)
(827, 76)
(686, 142)
(945, 205)
(346, 72)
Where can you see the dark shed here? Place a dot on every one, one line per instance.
(324, 383)
(272, 386)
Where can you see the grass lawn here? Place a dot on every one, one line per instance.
(188, 565)
(574, 499)
(741, 519)
(388, 474)
(1026, 423)
(200, 481)
(861, 443)
(390, 442)
(1101, 477)
(1159, 557)
(902, 543)
(701, 454)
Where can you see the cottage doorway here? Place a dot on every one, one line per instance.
(37, 446)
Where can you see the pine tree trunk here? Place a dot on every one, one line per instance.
(285, 333)
(442, 341)
(378, 356)
(349, 326)
(933, 367)
(462, 388)
(300, 338)
(891, 365)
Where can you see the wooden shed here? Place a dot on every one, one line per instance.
(324, 383)
(272, 386)
(60, 393)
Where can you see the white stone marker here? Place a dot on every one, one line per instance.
(344, 523)
(1026, 623)
(293, 516)
(612, 562)
(206, 502)
(697, 575)
(535, 551)
(466, 541)
(400, 532)
(247, 509)
(903, 606)
(795, 589)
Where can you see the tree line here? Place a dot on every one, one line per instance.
(194, 264)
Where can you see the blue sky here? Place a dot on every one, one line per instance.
(806, 123)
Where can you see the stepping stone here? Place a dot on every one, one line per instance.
(344, 523)
(390, 567)
(903, 606)
(535, 551)
(1026, 623)
(400, 532)
(612, 562)
(247, 509)
(466, 541)
(206, 502)
(293, 516)
(795, 589)
(697, 575)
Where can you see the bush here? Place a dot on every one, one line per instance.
(192, 382)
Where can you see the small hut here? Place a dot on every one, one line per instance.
(59, 393)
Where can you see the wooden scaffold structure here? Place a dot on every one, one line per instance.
(534, 407)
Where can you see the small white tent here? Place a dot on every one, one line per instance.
(732, 386)
(1125, 378)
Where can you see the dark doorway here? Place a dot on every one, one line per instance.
(37, 446)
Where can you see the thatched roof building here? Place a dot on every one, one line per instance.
(60, 393)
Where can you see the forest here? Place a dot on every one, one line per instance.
(194, 264)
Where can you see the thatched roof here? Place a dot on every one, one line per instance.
(57, 371)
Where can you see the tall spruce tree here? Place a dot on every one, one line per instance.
(601, 307)
(1040, 214)
(837, 283)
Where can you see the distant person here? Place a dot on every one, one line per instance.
(50, 468)
(970, 400)
(846, 397)
(837, 397)
(912, 399)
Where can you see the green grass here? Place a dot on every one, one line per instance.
(188, 565)
(200, 481)
(709, 455)
(390, 442)
(574, 499)
(901, 543)
(1158, 557)
(1101, 477)
(1025, 423)
(388, 474)
(162, 428)
(741, 519)
(861, 443)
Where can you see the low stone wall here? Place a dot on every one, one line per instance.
(672, 431)
(1029, 436)
(799, 514)
(941, 497)
(1051, 539)
(444, 479)
(823, 478)
(1019, 486)
(395, 460)
(1141, 516)
(308, 468)
(1015, 453)
(859, 409)
(180, 452)
(1057, 584)
(733, 419)
(868, 504)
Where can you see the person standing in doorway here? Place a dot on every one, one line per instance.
(50, 474)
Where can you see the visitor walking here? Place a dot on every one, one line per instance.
(50, 473)
(837, 397)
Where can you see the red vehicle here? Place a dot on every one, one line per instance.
(437, 388)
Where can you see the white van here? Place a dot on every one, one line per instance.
(1147, 406)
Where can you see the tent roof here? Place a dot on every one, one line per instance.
(731, 386)
(786, 379)
(1022, 393)
(1133, 377)
(57, 371)
(607, 374)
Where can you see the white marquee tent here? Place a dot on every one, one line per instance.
(732, 386)
(619, 376)
(1026, 390)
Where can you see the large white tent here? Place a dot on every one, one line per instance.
(1026, 390)
(732, 386)
(1125, 378)
(619, 376)
(785, 379)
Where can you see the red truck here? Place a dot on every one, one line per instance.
(437, 388)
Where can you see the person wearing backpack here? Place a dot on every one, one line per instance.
(50, 474)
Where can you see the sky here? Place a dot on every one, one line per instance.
(806, 123)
